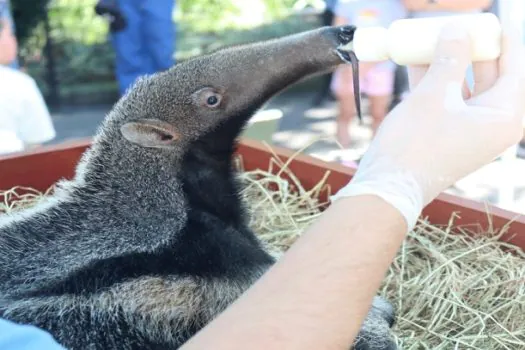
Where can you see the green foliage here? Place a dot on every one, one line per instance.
(210, 15)
(76, 20)
(220, 15)
(80, 48)
(83, 54)
(27, 15)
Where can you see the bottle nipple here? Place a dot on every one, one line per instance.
(370, 44)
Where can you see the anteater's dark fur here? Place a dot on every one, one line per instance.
(150, 240)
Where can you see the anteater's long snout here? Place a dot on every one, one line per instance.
(265, 68)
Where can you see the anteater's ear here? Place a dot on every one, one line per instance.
(150, 133)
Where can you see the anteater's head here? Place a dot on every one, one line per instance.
(201, 105)
(213, 96)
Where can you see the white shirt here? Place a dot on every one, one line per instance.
(24, 117)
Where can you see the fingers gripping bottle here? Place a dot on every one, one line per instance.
(413, 41)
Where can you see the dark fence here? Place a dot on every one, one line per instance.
(68, 52)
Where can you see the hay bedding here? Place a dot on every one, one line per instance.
(452, 290)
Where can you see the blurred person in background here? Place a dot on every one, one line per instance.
(143, 36)
(377, 78)
(401, 86)
(513, 10)
(425, 8)
(24, 118)
(9, 45)
(434, 8)
(430, 8)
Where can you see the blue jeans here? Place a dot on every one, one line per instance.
(24, 337)
(147, 44)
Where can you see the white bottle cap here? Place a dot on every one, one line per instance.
(370, 44)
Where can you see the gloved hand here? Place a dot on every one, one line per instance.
(438, 134)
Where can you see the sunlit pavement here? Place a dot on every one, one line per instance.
(501, 183)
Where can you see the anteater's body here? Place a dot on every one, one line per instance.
(150, 240)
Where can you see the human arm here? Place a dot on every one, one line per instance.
(8, 43)
(316, 296)
(446, 5)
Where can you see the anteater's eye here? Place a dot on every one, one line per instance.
(212, 101)
(209, 97)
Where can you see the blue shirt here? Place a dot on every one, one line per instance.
(330, 4)
(366, 13)
(25, 337)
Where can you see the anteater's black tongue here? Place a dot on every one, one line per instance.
(355, 75)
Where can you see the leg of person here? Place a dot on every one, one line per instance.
(378, 110)
(342, 88)
(469, 77)
(159, 34)
(379, 88)
(401, 86)
(128, 45)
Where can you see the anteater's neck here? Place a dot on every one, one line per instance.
(160, 184)
(209, 178)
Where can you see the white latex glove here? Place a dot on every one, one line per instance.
(436, 136)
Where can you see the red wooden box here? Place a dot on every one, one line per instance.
(42, 168)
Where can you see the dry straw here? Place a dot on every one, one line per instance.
(453, 288)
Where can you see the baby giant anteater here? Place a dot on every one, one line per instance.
(150, 240)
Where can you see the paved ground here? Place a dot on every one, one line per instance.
(312, 129)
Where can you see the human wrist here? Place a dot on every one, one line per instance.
(399, 189)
